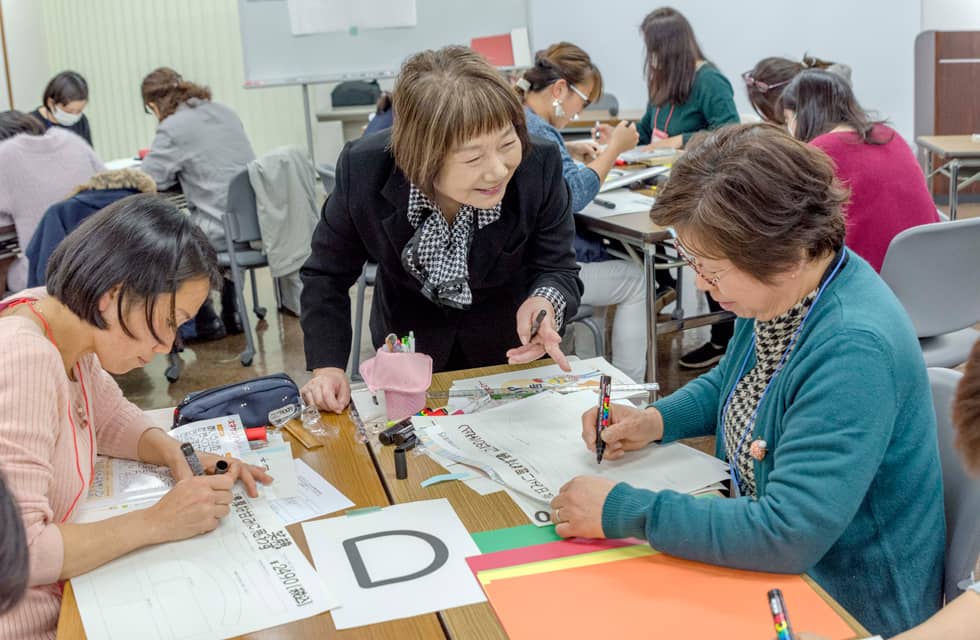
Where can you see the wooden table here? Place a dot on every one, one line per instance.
(349, 466)
(366, 474)
(956, 152)
(636, 230)
(494, 511)
(352, 119)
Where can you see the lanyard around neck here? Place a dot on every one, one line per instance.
(750, 423)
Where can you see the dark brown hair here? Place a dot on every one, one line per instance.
(64, 88)
(966, 411)
(563, 61)
(444, 98)
(14, 122)
(767, 79)
(667, 35)
(166, 89)
(823, 100)
(756, 196)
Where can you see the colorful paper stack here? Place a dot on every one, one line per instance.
(620, 589)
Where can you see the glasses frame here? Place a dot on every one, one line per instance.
(585, 99)
(764, 87)
(691, 262)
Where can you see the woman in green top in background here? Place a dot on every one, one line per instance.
(687, 94)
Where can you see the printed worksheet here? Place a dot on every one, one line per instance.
(244, 576)
(534, 446)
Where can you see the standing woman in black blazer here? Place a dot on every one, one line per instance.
(467, 218)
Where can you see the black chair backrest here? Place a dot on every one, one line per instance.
(241, 210)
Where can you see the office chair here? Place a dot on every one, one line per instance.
(241, 222)
(933, 270)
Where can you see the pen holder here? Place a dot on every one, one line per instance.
(403, 376)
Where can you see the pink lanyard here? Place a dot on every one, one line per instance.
(656, 116)
(85, 423)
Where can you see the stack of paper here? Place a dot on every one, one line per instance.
(534, 446)
(617, 579)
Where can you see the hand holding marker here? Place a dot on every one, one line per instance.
(602, 416)
(536, 324)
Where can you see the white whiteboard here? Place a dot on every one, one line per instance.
(875, 37)
(272, 55)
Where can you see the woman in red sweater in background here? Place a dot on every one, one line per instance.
(888, 188)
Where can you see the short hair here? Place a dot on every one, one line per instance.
(966, 411)
(442, 99)
(756, 196)
(144, 245)
(563, 61)
(823, 100)
(14, 122)
(769, 77)
(67, 86)
(668, 35)
(14, 557)
(167, 89)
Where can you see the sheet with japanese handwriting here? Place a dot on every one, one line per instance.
(534, 446)
(244, 576)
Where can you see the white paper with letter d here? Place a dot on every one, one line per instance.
(397, 562)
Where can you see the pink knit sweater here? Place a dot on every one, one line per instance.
(35, 173)
(47, 447)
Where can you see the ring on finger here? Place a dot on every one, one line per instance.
(557, 517)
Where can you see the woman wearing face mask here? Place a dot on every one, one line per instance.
(60, 407)
(467, 219)
(64, 99)
(888, 189)
(563, 82)
(687, 94)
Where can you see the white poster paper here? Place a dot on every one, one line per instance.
(534, 446)
(400, 561)
(244, 576)
(316, 497)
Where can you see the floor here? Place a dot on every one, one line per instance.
(279, 347)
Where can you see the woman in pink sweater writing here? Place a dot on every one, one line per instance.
(888, 188)
(117, 288)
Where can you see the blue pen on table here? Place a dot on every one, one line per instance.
(780, 619)
(602, 416)
(192, 460)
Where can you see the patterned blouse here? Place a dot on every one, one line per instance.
(437, 255)
(772, 337)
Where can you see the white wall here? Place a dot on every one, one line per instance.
(875, 37)
(23, 28)
(950, 15)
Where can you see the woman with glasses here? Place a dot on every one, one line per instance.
(767, 79)
(200, 145)
(469, 223)
(562, 83)
(888, 189)
(687, 94)
(821, 408)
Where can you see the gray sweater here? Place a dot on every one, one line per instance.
(201, 146)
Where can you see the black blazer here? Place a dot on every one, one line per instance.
(365, 217)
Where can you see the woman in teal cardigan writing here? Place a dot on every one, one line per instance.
(821, 406)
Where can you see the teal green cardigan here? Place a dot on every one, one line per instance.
(851, 489)
(710, 105)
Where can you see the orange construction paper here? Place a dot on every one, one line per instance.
(656, 596)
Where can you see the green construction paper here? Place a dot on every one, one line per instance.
(514, 537)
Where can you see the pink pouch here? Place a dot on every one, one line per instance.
(404, 377)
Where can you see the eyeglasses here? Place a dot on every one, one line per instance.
(764, 87)
(578, 92)
(684, 255)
